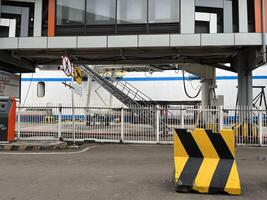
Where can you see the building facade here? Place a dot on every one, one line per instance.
(181, 32)
(124, 17)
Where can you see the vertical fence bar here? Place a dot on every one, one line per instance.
(260, 128)
(59, 121)
(157, 124)
(19, 121)
(122, 125)
(73, 125)
(221, 120)
(182, 116)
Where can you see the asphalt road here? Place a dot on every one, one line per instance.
(123, 172)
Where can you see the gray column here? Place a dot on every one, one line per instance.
(243, 15)
(37, 26)
(228, 16)
(207, 87)
(24, 29)
(244, 87)
(187, 16)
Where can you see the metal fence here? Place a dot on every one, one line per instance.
(136, 125)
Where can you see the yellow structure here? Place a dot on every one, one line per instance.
(205, 162)
(77, 74)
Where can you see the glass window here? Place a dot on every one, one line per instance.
(163, 11)
(101, 11)
(40, 89)
(132, 11)
(70, 12)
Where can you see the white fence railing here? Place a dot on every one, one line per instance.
(136, 125)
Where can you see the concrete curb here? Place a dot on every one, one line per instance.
(33, 146)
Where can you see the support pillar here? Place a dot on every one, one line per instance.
(208, 82)
(207, 88)
(245, 89)
(244, 64)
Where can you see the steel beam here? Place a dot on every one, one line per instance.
(12, 61)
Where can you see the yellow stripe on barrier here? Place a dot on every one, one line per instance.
(180, 156)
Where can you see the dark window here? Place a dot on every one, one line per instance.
(70, 12)
(132, 11)
(40, 89)
(101, 11)
(163, 11)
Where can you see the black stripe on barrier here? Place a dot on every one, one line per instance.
(189, 143)
(192, 166)
(220, 176)
(220, 145)
(189, 173)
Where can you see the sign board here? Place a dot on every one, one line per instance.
(9, 84)
(77, 89)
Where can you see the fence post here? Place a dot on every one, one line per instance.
(182, 116)
(59, 121)
(19, 121)
(260, 127)
(122, 125)
(157, 124)
(220, 118)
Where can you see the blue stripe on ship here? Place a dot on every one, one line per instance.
(135, 79)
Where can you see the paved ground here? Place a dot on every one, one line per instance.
(123, 172)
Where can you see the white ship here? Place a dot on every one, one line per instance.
(164, 86)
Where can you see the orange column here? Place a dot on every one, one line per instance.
(257, 10)
(51, 17)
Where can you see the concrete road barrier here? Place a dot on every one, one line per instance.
(205, 162)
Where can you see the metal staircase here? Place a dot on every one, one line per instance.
(123, 91)
(127, 94)
(134, 93)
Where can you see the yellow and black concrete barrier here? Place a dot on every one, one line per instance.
(205, 162)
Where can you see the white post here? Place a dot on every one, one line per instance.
(182, 117)
(59, 121)
(260, 127)
(19, 121)
(89, 89)
(122, 125)
(73, 110)
(157, 123)
(220, 118)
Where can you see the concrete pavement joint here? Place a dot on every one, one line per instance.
(48, 153)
